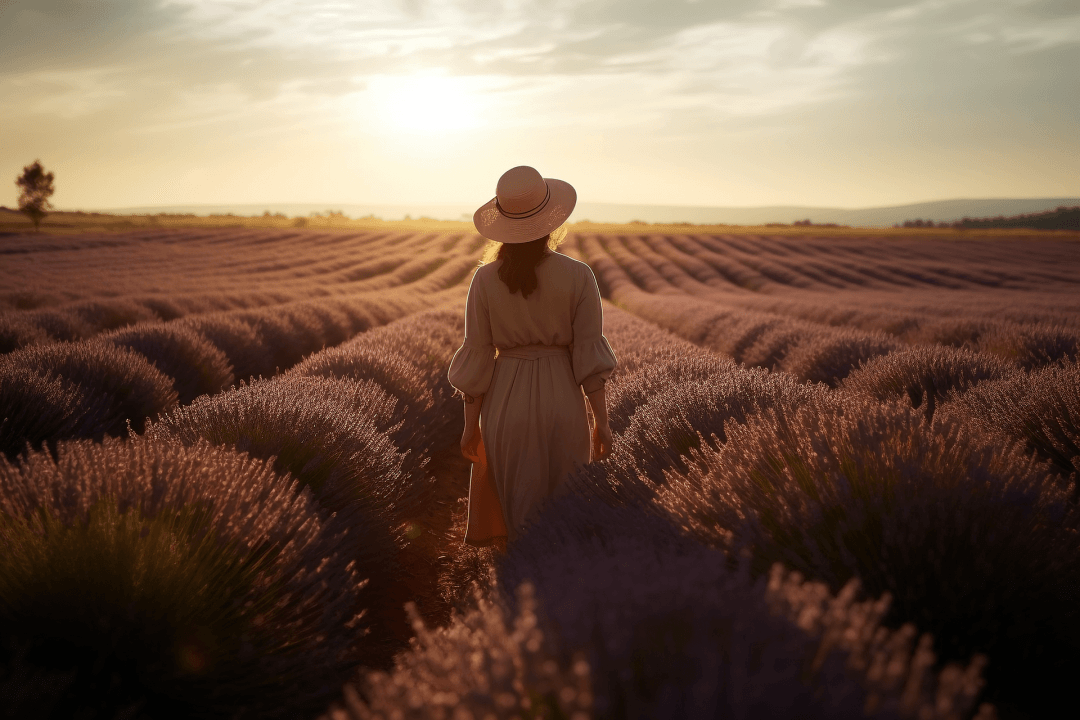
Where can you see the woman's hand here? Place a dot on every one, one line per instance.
(601, 432)
(470, 442)
(470, 437)
(601, 442)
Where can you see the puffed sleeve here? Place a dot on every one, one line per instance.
(474, 362)
(593, 357)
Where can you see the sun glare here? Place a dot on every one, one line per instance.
(426, 104)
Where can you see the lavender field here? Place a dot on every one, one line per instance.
(844, 481)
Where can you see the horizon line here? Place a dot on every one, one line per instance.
(333, 205)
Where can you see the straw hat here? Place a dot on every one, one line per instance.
(526, 207)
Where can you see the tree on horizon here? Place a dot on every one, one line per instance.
(35, 186)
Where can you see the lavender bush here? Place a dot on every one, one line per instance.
(1034, 345)
(286, 340)
(960, 332)
(975, 543)
(484, 664)
(671, 630)
(329, 434)
(102, 315)
(196, 366)
(658, 564)
(242, 344)
(292, 331)
(38, 410)
(924, 376)
(828, 356)
(1040, 409)
(639, 345)
(638, 380)
(116, 386)
(16, 331)
(676, 418)
(60, 324)
(407, 358)
(324, 432)
(161, 580)
(748, 331)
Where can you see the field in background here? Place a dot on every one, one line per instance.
(829, 441)
(69, 223)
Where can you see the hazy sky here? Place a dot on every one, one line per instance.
(843, 103)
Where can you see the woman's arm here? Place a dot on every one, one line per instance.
(473, 364)
(470, 437)
(593, 359)
(601, 439)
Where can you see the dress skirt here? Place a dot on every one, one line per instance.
(535, 428)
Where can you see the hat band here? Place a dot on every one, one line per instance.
(527, 213)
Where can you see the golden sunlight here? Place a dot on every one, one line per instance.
(425, 104)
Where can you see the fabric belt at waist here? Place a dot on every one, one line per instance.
(534, 352)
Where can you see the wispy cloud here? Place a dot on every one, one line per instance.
(757, 57)
(1042, 35)
(678, 70)
(66, 93)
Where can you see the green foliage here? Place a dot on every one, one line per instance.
(1061, 218)
(35, 188)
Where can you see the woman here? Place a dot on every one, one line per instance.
(526, 425)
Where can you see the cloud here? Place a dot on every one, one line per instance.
(1043, 35)
(68, 94)
(666, 71)
(261, 46)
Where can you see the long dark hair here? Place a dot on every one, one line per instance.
(519, 260)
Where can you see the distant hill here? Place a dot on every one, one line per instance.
(938, 211)
(1063, 218)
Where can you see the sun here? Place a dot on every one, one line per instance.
(426, 104)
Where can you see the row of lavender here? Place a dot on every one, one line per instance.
(76, 287)
(905, 287)
(251, 549)
(244, 554)
(281, 570)
(793, 336)
(92, 388)
(716, 564)
(965, 516)
(751, 264)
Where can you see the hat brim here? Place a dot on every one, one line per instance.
(494, 225)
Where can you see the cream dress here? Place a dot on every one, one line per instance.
(549, 347)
